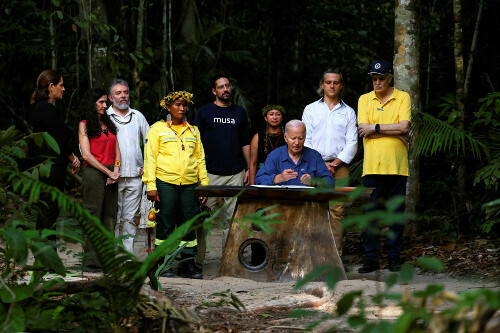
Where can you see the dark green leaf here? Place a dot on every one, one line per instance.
(17, 319)
(17, 245)
(391, 280)
(406, 273)
(48, 257)
(393, 296)
(356, 321)
(296, 313)
(431, 263)
(51, 142)
(311, 276)
(21, 291)
(404, 322)
(45, 169)
(345, 303)
(18, 152)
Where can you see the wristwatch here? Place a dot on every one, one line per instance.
(377, 128)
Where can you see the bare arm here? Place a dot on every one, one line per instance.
(252, 166)
(246, 154)
(74, 163)
(88, 157)
(398, 129)
(116, 169)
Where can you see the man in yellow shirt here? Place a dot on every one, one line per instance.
(384, 116)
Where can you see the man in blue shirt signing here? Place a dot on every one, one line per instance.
(294, 164)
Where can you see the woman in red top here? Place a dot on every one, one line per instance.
(101, 153)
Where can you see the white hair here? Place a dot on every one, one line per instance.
(294, 123)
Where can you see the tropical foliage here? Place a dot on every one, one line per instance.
(34, 303)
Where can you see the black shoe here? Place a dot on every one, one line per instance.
(188, 269)
(394, 264)
(369, 266)
(168, 273)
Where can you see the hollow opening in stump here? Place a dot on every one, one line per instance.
(253, 254)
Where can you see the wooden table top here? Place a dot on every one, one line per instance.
(351, 194)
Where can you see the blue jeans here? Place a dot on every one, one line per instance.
(178, 204)
(385, 187)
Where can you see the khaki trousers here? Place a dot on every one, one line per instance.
(337, 211)
(225, 216)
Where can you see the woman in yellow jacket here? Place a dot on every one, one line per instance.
(174, 164)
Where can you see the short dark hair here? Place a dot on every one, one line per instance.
(334, 70)
(217, 76)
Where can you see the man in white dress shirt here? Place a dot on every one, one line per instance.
(331, 130)
(132, 129)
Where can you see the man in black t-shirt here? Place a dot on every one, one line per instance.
(225, 134)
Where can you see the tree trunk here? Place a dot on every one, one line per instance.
(460, 92)
(170, 44)
(52, 43)
(407, 78)
(187, 34)
(459, 63)
(164, 38)
(138, 45)
(97, 48)
(429, 55)
(473, 49)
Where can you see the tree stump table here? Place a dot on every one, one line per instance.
(295, 247)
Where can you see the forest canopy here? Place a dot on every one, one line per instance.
(275, 52)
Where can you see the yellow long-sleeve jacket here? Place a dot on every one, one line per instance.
(174, 158)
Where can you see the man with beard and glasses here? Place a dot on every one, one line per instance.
(132, 130)
(225, 134)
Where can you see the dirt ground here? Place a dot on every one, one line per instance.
(269, 305)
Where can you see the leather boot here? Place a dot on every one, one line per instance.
(369, 265)
(188, 269)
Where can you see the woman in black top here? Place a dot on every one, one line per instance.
(44, 118)
(267, 140)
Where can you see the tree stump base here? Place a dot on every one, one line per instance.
(294, 248)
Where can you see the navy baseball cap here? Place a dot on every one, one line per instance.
(381, 67)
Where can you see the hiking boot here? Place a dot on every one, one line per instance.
(188, 269)
(394, 264)
(369, 266)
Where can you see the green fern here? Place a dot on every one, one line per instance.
(435, 135)
(123, 274)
